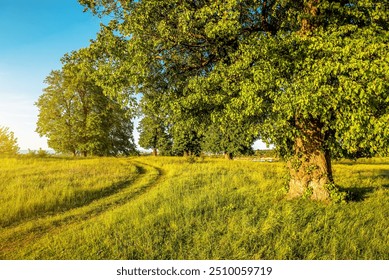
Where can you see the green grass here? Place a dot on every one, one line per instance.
(168, 208)
(36, 187)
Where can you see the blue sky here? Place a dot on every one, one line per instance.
(34, 35)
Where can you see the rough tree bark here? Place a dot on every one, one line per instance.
(310, 166)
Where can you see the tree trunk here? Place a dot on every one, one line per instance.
(228, 155)
(186, 153)
(155, 152)
(310, 167)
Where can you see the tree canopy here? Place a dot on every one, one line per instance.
(8, 142)
(309, 76)
(76, 116)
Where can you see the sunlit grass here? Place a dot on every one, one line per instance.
(217, 209)
(31, 187)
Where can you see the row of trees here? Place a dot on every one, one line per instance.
(158, 132)
(81, 113)
(78, 117)
(309, 76)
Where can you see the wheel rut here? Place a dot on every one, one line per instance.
(20, 235)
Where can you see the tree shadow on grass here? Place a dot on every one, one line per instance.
(357, 194)
(360, 193)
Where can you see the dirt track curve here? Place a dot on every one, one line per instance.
(18, 235)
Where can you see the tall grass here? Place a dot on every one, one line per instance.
(32, 187)
(216, 209)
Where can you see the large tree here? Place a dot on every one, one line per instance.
(8, 142)
(310, 76)
(76, 116)
(56, 118)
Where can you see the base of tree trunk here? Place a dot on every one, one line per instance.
(312, 190)
(310, 176)
(310, 169)
(228, 156)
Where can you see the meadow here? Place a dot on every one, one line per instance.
(173, 208)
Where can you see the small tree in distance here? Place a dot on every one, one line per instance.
(153, 135)
(8, 142)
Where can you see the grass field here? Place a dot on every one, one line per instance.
(169, 208)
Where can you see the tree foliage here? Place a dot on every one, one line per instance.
(76, 116)
(154, 127)
(153, 135)
(309, 76)
(186, 141)
(228, 139)
(8, 142)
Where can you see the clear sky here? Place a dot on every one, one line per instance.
(34, 35)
